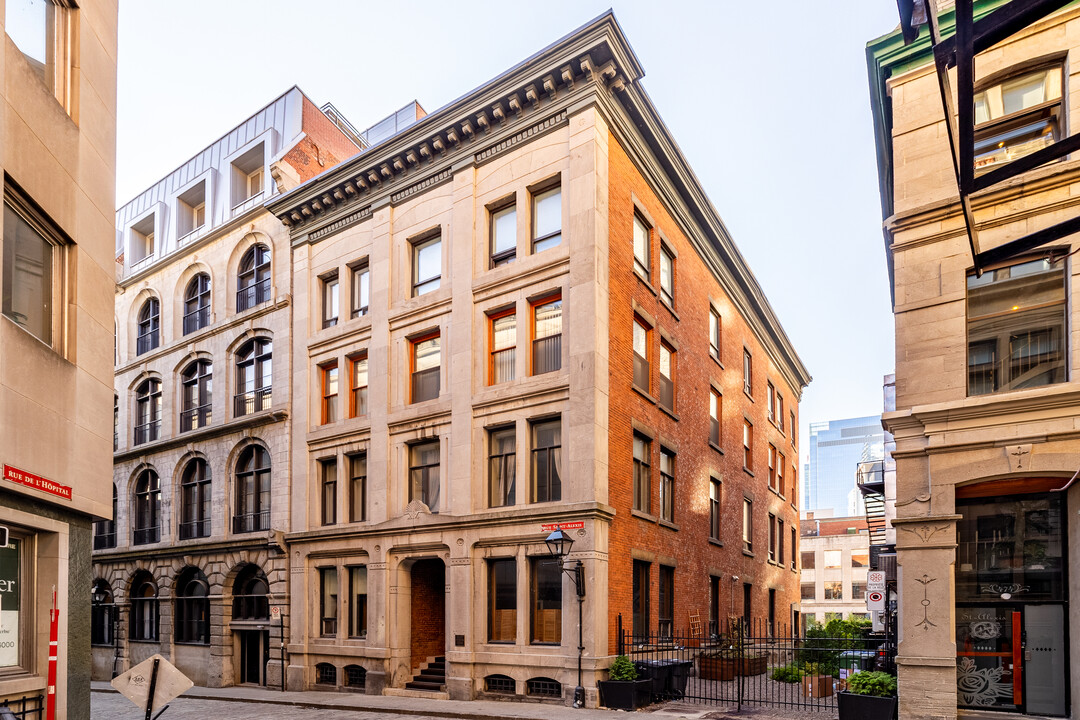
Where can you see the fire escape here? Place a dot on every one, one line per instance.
(870, 478)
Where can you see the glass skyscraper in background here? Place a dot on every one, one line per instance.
(836, 449)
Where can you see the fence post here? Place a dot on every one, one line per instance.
(619, 633)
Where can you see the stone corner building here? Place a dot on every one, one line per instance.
(986, 394)
(519, 312)
(194, 557)
(57, 158)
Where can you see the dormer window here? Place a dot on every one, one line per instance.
(1017, 117)
(143, 239)
(247, 179)
(191, 211)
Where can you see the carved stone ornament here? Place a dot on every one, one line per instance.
(1019, 457)
(415, 509)
(924, 532)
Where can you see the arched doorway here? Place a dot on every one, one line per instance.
(250, 620)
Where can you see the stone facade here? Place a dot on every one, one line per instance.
(365, 553)
(57, 157)
(835, 552)
(226, 534)
(962, 447)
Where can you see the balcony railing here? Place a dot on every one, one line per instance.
(195, 418)
(251, 522)
(196, 320)
(145, 536)
(194, 529)
(147, 432)
(247, 204)
(547, 354)
(104, 541)
(252, 295)
(252, 401)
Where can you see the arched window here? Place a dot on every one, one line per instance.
(197, 303)
(149, 326)
(249, 595)
(254, 279)
(197, 382)
(105, 530)
(192, 607)
(115, 422)
(148, 411)
(254, 377)
(252, 490)
(101, 614)
(144, 607)
(147, 508)
(195, 500)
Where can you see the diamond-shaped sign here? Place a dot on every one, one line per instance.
(135, 683)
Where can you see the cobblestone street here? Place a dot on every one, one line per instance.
(112, 706)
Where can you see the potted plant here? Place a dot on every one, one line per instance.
(715, 665)
(624, 691)
(870, 696)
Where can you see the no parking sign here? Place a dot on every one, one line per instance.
(875, 601)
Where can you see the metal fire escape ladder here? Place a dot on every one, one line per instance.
(871, 483)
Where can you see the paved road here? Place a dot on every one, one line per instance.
(110, 706)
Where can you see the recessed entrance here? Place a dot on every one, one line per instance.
(428, 612)
(254, 654)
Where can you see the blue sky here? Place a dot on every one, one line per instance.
(769, 103)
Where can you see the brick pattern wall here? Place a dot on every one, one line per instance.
(428, 611)
(686, 545)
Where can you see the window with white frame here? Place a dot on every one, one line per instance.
(642, 252)
(33, 278)
(361, 288)
(503, 234)
(546, 218)
(248, 179)
(191, 210)
(426, 264)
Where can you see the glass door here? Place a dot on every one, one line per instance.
(989, 652)
(1044, 651)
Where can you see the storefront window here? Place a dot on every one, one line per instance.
(10, 602)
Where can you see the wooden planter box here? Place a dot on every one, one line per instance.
(817, 686)
(753, 665)
(866, 707)
(625, 694)
(712, 667)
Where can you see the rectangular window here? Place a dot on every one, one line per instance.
(714, 332)
(667, 601)
(794, 547)
(16, 597)
(642, 265)
(834, 591)
(779, 541)
(714, 508)
(1017, 117)
(33, 272)
(503, 347)
(547, 461)
(502, 600)
(807, 591)
(357, 487)
(191, 211)
(426, 365)
(330, 300)
(503, 235)
(358, 379)
(1016, 327)
(667, 485)
(780, 472)
(547, 336)
(794, 428)
(748, 525)
(794, 486)
(770, 401)
(247, 179)
(328, 475)
(547, 219)
(772, 537)
(642, 473)
(640, 600)
(860, 558)
(358, 601)
(328, 602)
(667, 275)
(426, 265)
(40, 30)
(780, 411)
(641, 355)
(772, 466)
(858, 590)
(502, 461)
(329, 374)
(715, 408)
(546, 592)
(143, 244)
(361, 289)
(424, 474)
(747, 373)
(808, 561)
(832, 559)
(748, 445)
(667, 377)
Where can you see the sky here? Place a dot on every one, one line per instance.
(770, 107)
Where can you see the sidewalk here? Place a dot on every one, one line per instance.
(454, 709)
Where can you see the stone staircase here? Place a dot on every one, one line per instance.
(431, 678)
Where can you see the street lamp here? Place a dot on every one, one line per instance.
(559, 544)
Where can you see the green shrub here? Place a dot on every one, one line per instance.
(623, 669)
(879, 684)
(787, 673)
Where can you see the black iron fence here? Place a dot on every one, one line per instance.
(754, 663)
(28, 707)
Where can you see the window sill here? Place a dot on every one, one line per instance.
(645, 281)
(748, 395)
(669, 525)
(717, 543)
(748, 553)
(716, 447)
(776, 493)
(145, 642)
(670, 413)
(716, 360)
(644, 394)
(670, 308)
(643, 515)
(748, 471)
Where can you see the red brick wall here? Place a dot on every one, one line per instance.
(323, 146)
(687, 433)
(837, 526)
(428, 611)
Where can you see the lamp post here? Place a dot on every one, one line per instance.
(559, 544)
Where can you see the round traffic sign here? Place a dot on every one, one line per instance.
(874, 597)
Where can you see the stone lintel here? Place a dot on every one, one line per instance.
(926, 661)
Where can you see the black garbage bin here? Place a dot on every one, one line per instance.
(658, 672)
(680, 675)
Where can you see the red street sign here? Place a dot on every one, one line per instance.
(36, 482)
(552, 527)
